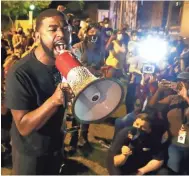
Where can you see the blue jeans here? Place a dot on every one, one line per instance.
(178, 158)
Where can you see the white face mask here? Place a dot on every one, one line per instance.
(119, 36)
(106, 25)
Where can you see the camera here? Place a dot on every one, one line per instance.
(176, 86)
(148, 68)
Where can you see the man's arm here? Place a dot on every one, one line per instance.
(109, 44)
(27, 122)
(120, 151)
(187, 100)
(184, 93)
(78, 50)
(156, 99)
(120, 160)
(121, 49)
(150, 166)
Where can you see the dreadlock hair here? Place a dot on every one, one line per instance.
(48, 13)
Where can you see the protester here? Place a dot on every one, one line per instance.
(135, 151)
(176, 105)
(36, 100)
(19, 41)
(89, 54)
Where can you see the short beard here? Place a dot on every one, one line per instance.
(47, 50)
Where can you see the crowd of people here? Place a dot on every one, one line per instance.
(152, 123)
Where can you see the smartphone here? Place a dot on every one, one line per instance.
(177, 86)
(148, 68)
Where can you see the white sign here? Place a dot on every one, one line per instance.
(102, 14)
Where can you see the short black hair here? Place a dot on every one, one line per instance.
(92, 25)
(106, 20)
(48, 13)
(148, 116)
(144, 116)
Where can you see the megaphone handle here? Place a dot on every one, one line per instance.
(65, 99)
(64, 126)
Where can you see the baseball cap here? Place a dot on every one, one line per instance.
(183, 76)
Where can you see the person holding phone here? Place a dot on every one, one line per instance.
(177, 107)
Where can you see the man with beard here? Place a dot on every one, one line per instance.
(135, 150)
(89, 53)
(36, 100)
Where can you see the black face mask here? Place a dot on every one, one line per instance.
(93, 41)
(92, 38)
(139, 136)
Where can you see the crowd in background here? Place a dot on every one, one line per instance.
(161, 95)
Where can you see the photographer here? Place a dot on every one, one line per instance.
(135, 150)
(177, 106)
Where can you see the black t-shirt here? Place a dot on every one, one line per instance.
(29, 84)
(143, 152)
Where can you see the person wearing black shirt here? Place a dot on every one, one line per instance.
(36, 100)
(135, 150)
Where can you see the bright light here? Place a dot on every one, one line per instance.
(32, 7)
(153, 49)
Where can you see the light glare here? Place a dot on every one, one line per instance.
(32, 7)
(153, 49)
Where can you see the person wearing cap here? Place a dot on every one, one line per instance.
(36, 100)
(178, 118)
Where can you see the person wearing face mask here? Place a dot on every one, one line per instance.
(176, 106)
(19, 41)
(89, 53)
(134, 150)
(117, 53)
(107, 32)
